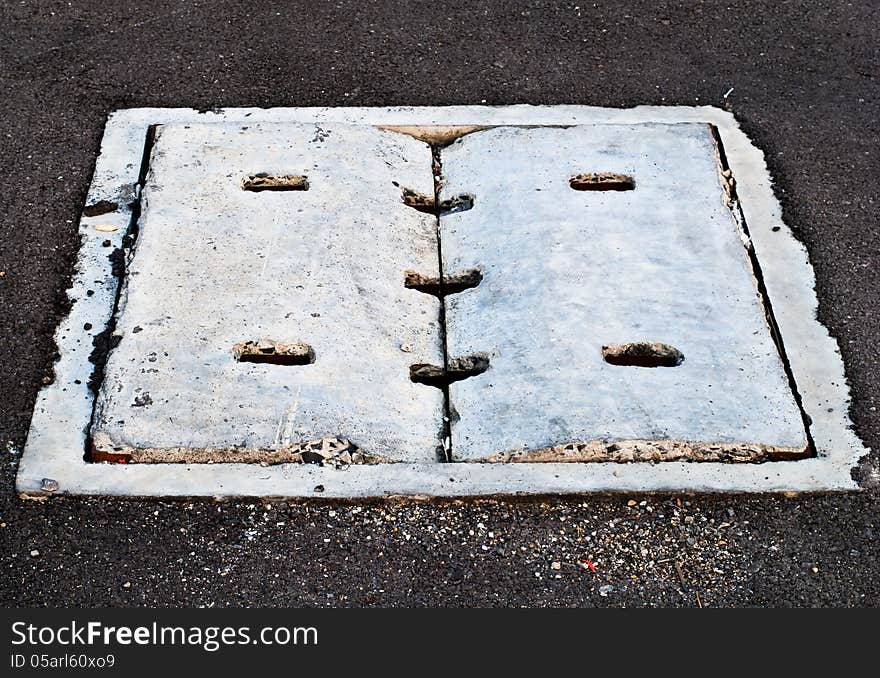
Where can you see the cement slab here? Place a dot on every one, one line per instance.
(215, 265)
(567, 272)
(53, 463)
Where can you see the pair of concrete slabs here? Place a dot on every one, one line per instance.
(358, 302)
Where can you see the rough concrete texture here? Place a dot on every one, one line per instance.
(215, 265)
(566, 272)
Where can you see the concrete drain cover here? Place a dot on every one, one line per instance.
(444, 302)
(216, 265)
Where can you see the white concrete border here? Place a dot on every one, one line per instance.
(53, 457)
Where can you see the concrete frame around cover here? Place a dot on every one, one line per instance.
(53, 457)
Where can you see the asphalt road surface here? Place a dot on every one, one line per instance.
(804, 85)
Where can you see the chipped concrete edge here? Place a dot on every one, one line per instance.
(53, 461)
(337, 452)
(648, 451)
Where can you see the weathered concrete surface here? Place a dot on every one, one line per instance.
(566, 272)
(216, 265)
(799, 101)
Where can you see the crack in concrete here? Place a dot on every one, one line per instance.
(106, 340)
(731, 200)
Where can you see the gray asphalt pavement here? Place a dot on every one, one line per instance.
(804, 79)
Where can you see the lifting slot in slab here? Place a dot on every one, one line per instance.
(273, 353)
(602, 181)
(642, 354)
(457, 369)
(450, 284)
(427, 203)
(275, 182)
